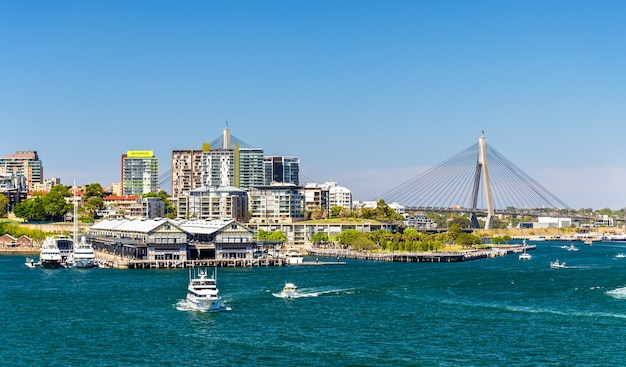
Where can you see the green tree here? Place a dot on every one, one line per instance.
(54, 203)
(4, 206)
(319, 238)
(467, 240)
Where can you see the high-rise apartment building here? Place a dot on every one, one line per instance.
(227, 165)
(23, 164)
(276, 203)
(281, 169)
(140, 172)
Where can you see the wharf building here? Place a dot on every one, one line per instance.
(179, 240)
(140, 172)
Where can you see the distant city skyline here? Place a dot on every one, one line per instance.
(367, 94)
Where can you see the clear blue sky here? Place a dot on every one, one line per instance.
(367, 93)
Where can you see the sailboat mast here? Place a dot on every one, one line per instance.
(74, 217)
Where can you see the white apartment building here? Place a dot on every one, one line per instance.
(140, 172)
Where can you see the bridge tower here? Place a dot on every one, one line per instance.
(482, 170)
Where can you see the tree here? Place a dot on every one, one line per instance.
(4, 204)
(467, 240)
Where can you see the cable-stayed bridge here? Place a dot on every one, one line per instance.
(477, 180)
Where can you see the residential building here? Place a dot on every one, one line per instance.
(23, 164)
(186, 170)
(281, 169)
(315, 197)
(276, 203)
(232, 163)
(140, 172)
(205, 202)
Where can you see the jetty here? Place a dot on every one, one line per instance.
(420, 256)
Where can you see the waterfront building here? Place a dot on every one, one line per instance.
(281, 169)
(219, 239)
(213, 203)
(147, 239)
(178, 240)
(24, 164)
(140, 172)
(276, 203)
(299, 233)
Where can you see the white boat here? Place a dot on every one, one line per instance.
(50, 254)
(572, 248)
(31, 263)
(293, 256)
(588, 242)
(525, 255)
(557, 265)
(83, 255)
(202, 292)
(290, 290)
(620, 255)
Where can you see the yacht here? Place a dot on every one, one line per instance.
(83, 255)
(66, 247)
(557, 265)
(50, 255)
(290, 290)
(293, 256)
(202, 292)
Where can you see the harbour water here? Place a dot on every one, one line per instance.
(490, 312)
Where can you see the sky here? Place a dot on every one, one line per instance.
(368, 94)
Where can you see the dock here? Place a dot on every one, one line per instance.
(420, 256)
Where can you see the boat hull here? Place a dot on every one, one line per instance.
(84, 263)
(49, 264)
(205, 304)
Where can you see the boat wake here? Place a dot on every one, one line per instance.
(313, 293)
(184, 305)
(618, 293)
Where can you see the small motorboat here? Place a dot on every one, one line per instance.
(620, 255)
(557, 265)
(572, 248)
(290, 290)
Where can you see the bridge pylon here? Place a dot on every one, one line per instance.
(482, 171)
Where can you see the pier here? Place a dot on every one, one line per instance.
(108, 261)
(420, 256)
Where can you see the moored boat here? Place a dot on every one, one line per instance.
(50, 254)
(524, 255)
(293, 256)
(83, 255)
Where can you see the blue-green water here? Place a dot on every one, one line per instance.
(490, 312)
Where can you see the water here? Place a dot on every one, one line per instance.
(490, 312)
